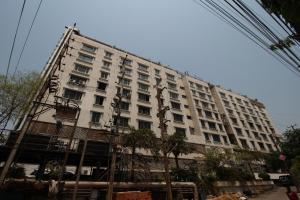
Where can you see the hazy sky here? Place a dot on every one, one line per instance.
(178, 33)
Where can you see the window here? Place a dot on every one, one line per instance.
(173, 95)
(221, 127)
(143, 110)
(206, 135)
(124, 105)
(199, 87)
(125, 93)
(126, 71)
(177, 117)
(216, 138)
(205, 105)
(170, 77)
(104, 75)
(143, 77)
(95, 117)
(108, 55)
(201, 95)
(81, 68)
(183, 96)
(222, 95)
(157, 81)
(203, 124)
(77, 80)
(125, 61)
(238, 131)
(124, 81)
(85, 58)
(180, 130)
(199, 112)
(196, 102)
(123, 121)
(102, 86)
(157, 72)
(192, 131)
(143, 67)
(262, 146)
(143, 87)
(72, 94)
(172, 86)
(212, 126)
(217, 116)
(208, 114)
(144, 124)
(186, 106)
(99, 100)
(234, 121)
(188, 117)
(143, 97)
(106, 64)
(191, 84)
(88, 48)
(225, 139)
(175, 105)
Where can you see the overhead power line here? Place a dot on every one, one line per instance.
(13, 44)
(28, 34)
(245, 20)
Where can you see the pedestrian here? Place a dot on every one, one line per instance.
(291, 194)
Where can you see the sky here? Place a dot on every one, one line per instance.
(178, 33)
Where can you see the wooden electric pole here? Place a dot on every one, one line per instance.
(163, 131)
(113, 140)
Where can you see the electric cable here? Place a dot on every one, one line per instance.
(28, 34)
(13, 44)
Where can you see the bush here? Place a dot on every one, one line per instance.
(264, 176)
(16, 172)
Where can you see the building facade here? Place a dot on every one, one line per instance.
(209, 115)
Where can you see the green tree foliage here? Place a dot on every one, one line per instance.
(177, 145)
(188, 174)
(291, 144)
(272, 161)
(16, 94)
(295, 170)
(141, 138)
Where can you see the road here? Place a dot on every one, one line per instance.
(276, 194)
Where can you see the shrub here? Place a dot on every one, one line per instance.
(16, 172)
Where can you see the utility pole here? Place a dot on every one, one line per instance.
(48, 71)
(80, 163)
(117, 108)
(163, 131)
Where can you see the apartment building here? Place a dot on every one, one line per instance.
(209, 115)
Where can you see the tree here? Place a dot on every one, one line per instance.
(291, 144)
(141, 138)
(295, 171)
(178, 145)
(15, 95)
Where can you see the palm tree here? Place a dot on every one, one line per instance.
(178, 145)
(141, 138)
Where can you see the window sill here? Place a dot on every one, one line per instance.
(105, 68)
(144, 91)
(144, 115)
(142, 101)
(84, 61)
(178, 122)
(101, 91)
(98, 105)
(87, 51)
(80, 73)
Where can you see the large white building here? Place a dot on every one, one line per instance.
(209, 115)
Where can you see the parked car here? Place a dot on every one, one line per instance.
(285, 180)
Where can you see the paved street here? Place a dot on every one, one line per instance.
(276, 194)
